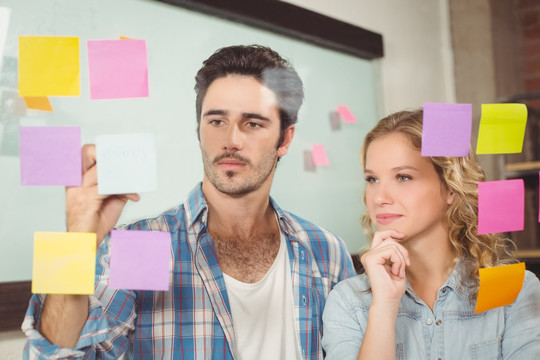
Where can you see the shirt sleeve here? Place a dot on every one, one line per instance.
(105, 335)
(342, 332)
(521, 339)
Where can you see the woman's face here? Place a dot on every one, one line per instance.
(403, 190)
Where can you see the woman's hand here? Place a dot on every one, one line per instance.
(385, 264)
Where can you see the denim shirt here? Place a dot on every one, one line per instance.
(451, 331)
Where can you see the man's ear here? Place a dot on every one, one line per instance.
(287, 139)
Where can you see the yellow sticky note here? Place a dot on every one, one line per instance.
(38, 103)
(64, 263)
(499, 286)
(49, 66)
(502, 128)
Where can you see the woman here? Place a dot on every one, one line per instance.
(417, 297)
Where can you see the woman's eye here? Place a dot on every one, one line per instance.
(370, 179)
(403, 178)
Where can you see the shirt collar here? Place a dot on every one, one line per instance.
(196, 208)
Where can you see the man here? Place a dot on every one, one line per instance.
(248, 281)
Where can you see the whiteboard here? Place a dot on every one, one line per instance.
(178, 41)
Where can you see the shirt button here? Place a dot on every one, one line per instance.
(303, 300)
(438, 322)
(429, 321)
(302, 255)
(443, 290)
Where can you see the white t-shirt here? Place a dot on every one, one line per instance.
(263, 313)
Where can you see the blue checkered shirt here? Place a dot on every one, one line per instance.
(193, 319)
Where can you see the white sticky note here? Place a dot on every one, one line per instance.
(126, 163)
(4, 24)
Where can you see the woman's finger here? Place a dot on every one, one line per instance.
(381, 236)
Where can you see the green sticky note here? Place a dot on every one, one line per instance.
(502, 128)
(64, 263)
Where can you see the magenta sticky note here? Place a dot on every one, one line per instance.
(446, 129)
(346, 114)
(117, 69)
(50, 155)
(140, 260)
(501, 206)
(319, 155)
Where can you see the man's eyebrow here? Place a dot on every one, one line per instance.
(254, 116)
(215, 112)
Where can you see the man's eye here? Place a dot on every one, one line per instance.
(253, 124)
(216, 122)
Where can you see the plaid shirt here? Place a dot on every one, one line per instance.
(193, 319)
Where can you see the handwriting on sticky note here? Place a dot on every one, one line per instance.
(50, 155)
(126, 163)
(502, 128)
(346, 114)
(49, 66)
(446, 129)
(499, 286)
(501, 206)
(140, 260)
(117, 69)
(64, 263)
(318, 152)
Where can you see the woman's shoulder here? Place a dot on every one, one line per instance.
(354, 291)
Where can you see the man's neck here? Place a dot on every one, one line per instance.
(250, 212)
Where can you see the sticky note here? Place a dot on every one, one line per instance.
(318, 152)
(309, 165)
(446, 129)
(38, 103)
(499, 286)
(501, 206)
(126, 163)
(117, 69)
(50, 155)
(5, 14)
(64, 263)
(49, 66)
(335, 120)
(140, 260)
(346, 114)
(502, 129)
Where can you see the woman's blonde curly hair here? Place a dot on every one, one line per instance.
(459, 175)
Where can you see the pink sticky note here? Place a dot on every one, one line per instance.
(50, 155)
(346, 114)
(319, 155)
(117, 69)
(501, 206)
(140, 260)
(446, 129)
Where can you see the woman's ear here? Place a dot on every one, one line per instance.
(450, 197)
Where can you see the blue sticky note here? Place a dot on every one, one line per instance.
(50, 155)
(126, 163)
(446, 129)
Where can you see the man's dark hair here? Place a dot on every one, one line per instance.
(265, 65)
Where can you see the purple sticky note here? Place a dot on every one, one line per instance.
(319, 155)
(346, 114)
(446, 129)
(140, 260)
(501, 206)
(117, 69)
(50, 155)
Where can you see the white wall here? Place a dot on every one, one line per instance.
(417, 66)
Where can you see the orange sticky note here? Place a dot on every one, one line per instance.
(499, 286)
(38, 103)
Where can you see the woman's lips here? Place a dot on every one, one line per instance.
(384, 219)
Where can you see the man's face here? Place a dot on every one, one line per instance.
(239, 131)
